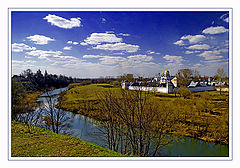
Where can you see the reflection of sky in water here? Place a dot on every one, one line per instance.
(54, 92)
(88, 130)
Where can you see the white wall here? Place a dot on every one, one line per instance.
(144, 88)
(201, 89)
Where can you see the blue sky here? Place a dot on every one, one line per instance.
(93, 44)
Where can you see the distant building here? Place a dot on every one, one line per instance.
(164, 84)
(164, 78)
(200, 86)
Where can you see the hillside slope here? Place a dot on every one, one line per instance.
(40, 142)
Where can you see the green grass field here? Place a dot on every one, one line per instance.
(204, 115)
(40, 142)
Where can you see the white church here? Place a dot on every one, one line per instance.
(163, 84)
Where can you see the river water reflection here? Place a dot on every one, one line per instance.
(88, 130)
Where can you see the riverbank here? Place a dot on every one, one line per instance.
(203, 116)
(39, 142)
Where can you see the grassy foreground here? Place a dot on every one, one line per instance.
(204, 115)
(40, 142)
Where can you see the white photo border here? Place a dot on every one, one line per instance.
(229, 158)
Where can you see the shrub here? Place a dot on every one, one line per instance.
(184, 92)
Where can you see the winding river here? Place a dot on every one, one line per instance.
(87, 129)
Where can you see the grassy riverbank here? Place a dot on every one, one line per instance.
(204, 115)
(40, 142)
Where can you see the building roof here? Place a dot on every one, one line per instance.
(193, 84)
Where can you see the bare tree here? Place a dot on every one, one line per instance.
(134, 121)
(55, 118)
(220, 75)
(184, 76)
(30, 118)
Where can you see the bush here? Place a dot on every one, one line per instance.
(184, 92)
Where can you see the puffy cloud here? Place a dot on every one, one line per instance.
(152, 52)
(63, 59)
(112, 60)
(209, 53)
(179, 42)
(199, 47)
(62, 22)
(92, 56)
(173, 59)
(213, 57)
(212, 54)
(107, 59)
(75, 43)
(111, 32)
(39, 39)
(193, 39)
(20, 47)
(41, 54)
(174, 63)
(98, 38)
(225, 17)
(104, 20)
(122, 34)
(139, 58)
(67, 48)
(191, 52)
(134, 59)
(215, 30)
(22, 62)
(83, 44)
(72, 42)
(118, 46)
(54, 56)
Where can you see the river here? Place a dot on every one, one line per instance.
(87, 129)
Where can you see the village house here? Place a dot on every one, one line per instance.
(163, 84)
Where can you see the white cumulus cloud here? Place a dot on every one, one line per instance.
(118, 46)
(212, 54)
(123, 34)
(215, 30)
(209, 53)
(173, 59)
(103, 20)
(41, 54)
(213, 57)
(112, 60)
(92, 56)
(179, 42)
(193, 39)
(67, 48)
(75, 43)
(20, 47)
(191, 52)
(130, 60)
(39, 39)
(152, 52)
(98, 38)
(139, 58)
(199, 47)
(72, 42)
(225, 17)
(83, 44)
(62, 22)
